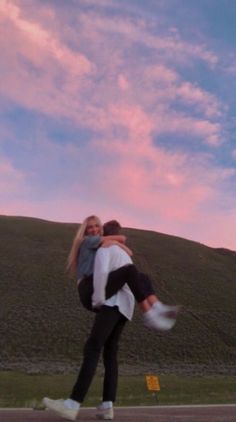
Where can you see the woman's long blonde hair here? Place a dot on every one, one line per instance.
(78, 239)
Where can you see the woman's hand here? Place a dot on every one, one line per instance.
(118, 237)
(126, 249)
(107, 243)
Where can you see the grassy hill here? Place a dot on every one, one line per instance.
(43, 326)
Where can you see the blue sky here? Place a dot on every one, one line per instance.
(125, 109)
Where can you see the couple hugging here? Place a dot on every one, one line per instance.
(108, 284)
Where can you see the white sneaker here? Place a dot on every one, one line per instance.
(161, 317)
(105, 414)
(59, 407)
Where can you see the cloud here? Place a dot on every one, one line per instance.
(205, 101)
(209, 132)
(123, 82)
(153, 129)
(152, 178)
(11, 179)
(34, 34)
(82, 87)
(234, 153)
(140, 31)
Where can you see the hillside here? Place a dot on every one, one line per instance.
(43, 326)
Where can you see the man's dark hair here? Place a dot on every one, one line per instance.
(111, 227)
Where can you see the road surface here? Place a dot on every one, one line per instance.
(219, 413)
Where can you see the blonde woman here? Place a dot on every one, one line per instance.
(88, 239)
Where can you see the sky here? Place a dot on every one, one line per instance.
(121, 108)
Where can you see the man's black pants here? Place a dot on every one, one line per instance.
(107, 328)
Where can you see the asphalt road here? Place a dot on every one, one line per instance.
(129, 414)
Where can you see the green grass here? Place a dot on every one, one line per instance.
(44, 326)
(22, 390)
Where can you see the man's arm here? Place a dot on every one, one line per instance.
(100, 275)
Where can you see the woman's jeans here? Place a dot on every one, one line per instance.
(139, 284)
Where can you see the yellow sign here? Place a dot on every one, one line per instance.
(152, 383)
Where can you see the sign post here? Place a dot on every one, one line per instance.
(153, 385)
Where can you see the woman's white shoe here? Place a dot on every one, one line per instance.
(161, 317)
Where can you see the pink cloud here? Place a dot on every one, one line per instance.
(126, 101)
(35, 36)
(161, 73)
(209, 131)
(136, 121)
(11, 179)
(205, 101)
(35, 58)
(154, 188)
(141, 124)
(145, 198)
(155, 182)
(234, 153)
(123, 82)
(138, 31)
(160, 191)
